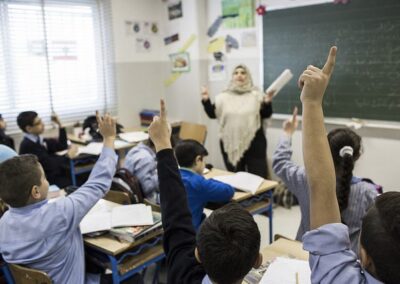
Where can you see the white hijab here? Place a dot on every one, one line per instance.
(238, 113)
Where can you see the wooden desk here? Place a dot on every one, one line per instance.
(284, 247)
(260, 202)
(125, 259)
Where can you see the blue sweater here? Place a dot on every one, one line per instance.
(200, 191)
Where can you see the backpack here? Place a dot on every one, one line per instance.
(124, 181)
(283, 197)
(378, 187)
(91, 123)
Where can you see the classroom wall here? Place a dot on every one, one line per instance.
(381, 159)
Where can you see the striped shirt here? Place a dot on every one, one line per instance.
(362, 194)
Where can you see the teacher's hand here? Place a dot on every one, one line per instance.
(269, 96)
(204, 94)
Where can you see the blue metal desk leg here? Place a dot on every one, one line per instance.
(114, 268)
(72, 170)
(270, 216)
(7, 274)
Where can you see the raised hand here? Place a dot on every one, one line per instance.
(314, 81)
(107, 129)
(54, 118)
(290, 125)
(205, 96)
(160, 131)
(269, 96)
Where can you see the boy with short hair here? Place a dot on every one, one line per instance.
(228, 242)
(331, 259)
(46, 236)
(190, 155)
(4, 138)
(45, 149)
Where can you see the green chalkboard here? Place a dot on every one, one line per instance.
(366, 80)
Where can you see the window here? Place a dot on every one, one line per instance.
(55, 56)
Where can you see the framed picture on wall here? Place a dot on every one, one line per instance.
(180, 62)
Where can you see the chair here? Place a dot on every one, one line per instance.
(193, 131)
(24, 275)
(279, 236)
(118, 197)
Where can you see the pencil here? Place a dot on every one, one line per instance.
(297, 278)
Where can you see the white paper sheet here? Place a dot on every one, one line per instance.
(131, 215)
(135, 136)
(93, 148)
(283, 271)
(280, 82)
(242, 180)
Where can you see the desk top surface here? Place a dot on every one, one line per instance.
(242, 195)
(284, 247)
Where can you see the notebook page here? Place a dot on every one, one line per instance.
(242, 180)
(131, 215)
(283, 271)
(94, 222)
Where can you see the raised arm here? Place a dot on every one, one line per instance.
(179, 236)
(209, 107)
(318, 161)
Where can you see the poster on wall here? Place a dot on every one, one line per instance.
(143, 45)
(136, 28)
(180, 62)
(243, 11)
(171, 39)
(175, 10)
(217, 71)
(249, 39)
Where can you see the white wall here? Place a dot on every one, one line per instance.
(140, 81)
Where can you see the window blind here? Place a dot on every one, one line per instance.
(55, 56)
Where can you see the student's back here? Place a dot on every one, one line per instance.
(361, 195)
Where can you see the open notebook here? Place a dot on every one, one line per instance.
(287, 271)
(242, 181)
(135, 136)
(102, 217)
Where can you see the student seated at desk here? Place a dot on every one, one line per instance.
(4, 138)
(190, 155)
(5, 154)
(331, 258)
(228, 242)
(141, 162)
(46, 236)
(354, 195)
(45, 149)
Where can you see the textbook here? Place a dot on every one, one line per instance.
(102, 217)
(242, 180)
(280, 82)
(134, 233)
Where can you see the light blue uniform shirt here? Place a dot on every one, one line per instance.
(141, 162)
(362, 194)
(331, 259)
(46, 236)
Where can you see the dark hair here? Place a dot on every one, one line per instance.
(380, 236)
(338, 138)
(26, 118)
(18, 175)
(228, 244)
(187, 150)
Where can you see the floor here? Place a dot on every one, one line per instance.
(285, 222)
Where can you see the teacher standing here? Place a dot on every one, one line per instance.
(240, 110)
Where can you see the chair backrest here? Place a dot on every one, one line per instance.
(24, 275)
(193, 131)
(118, 197)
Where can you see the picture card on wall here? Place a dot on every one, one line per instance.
(171, 39)
(143, 45)
(180, 62)
(175, 11)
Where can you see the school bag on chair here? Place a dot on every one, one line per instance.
(124, 181)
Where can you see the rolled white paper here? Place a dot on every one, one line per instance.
(280, 82)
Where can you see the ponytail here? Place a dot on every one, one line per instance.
(344, 181)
